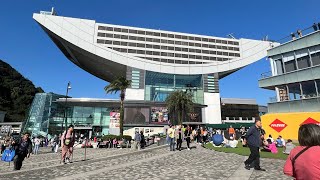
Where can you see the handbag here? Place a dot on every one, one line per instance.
(8, 155)
(295, 158)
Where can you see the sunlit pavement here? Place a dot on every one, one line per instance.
(155, 162)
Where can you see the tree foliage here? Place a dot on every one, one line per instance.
(16, 93)
(119, 84)
(179, 103)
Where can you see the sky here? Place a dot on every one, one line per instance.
(26, 47)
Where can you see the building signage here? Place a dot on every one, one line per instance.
(278, 125)
(310, 121)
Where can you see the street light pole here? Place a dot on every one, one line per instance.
(65, 111)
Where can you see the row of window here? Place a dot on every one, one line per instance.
(167, 41)
(301, 63)
(100, 41)
(177, 55)
(301, 90)
(150, 33)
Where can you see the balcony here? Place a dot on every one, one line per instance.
(239, 120)
(304, 105)
(269, 82)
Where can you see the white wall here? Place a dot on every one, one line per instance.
(134, 94)
(212, 113)
(155, 130)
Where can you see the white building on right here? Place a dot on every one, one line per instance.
(295, 78)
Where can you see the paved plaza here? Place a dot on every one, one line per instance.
(155, 162)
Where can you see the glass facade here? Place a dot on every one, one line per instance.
(38, 118)
(158, 86)
(46, 116)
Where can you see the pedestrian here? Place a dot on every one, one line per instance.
(302, 163)
(179, 137)
(137, 139)
(188, 134)
(36, 145)
(171, 133)
(142, 141)
(253, 140)
(56, 142)
(67, 142)
(23, 148)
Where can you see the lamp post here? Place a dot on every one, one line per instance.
(65, 111)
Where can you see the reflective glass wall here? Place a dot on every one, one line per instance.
(158, 86)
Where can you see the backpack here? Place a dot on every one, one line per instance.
(8, 155)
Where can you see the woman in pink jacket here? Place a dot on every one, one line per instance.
(303, 161)
(270, 147)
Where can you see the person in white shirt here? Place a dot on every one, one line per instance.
(36, 145)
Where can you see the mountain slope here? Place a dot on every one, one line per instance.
(16, 93)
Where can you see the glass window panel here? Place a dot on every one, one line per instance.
(294, 91)
(315, 58)
(290, 66)
(308, 89)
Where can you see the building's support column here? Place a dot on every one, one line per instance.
(212, 113)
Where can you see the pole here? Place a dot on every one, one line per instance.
(85, 149)
(65, 113)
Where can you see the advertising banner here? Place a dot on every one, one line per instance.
(114, 126)
(159, 115)
(136, 115)
(287, 124)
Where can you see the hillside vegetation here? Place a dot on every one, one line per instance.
(16, 93)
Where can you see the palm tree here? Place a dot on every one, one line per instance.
(119, 84)
(179, 102)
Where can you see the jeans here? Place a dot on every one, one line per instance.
(36, 149)
(172, 142)
(254, 157)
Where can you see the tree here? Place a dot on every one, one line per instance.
(119, 84)
(180, 103)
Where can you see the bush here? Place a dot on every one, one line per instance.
(126, 137)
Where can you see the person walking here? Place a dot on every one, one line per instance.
(142, 141)
(137, 139)
(67, 142)
(188, 134)
(179, 137)
(23, 149)
(36, 145)
(56, 143)
(253, 140)
(303, 161)
(171, 133)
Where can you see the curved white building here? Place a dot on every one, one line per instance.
(158, 62)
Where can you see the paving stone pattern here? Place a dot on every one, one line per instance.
(153, 163)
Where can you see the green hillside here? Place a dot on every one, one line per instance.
(16, 93)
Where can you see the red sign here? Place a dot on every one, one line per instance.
(310, 121)
(278, 125)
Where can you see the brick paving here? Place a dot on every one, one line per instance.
(152, 163)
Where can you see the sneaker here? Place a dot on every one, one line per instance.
(189, 149)
(67, 160)
(259, 169)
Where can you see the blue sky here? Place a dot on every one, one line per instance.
(25, 46)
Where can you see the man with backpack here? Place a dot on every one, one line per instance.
(23, 148)
(67, 142)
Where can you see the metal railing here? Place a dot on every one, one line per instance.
(266, 74)
(299, 33)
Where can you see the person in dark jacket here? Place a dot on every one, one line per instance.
(254, 141)
(23, 148)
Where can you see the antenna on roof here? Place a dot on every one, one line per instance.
(231, 36)
(265, 38)
(53, 12)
